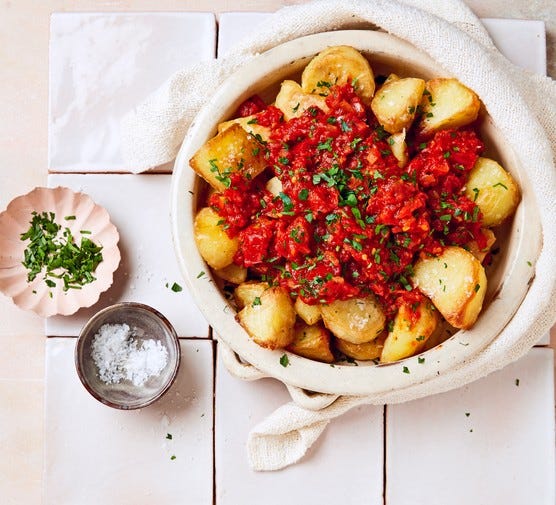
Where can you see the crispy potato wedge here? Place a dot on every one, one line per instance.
(309, 313)
(214, 244)
(249, 124)
(357, 320)
(246, 292)
(364, 352)
(474, 249)
(311, 341)
(230, 151)
(399, 148)
(447, 103)
(410, 331)
(396, 102)
(232, 273)
(338, 65)
(493, 190)
(391, 78)
(455, 282)
(270, 319)
(293, 102)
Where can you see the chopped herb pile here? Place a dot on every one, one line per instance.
(58, 254)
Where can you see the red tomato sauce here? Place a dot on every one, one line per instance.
(348, 220)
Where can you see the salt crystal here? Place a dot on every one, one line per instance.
(119, 356)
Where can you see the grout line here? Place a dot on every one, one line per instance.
(384, 421)
(215, 355)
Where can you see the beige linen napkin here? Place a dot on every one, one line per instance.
(523, 105)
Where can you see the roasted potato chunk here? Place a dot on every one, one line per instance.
(363, 352)
(246, 292)
(309, 313)
(456, 283)
(293, 102)
(270, 319)
(311, 341)
(249, 124)
(214, 244)
(447, 103)
(411, 329)
(399, 148)
(476, 251)
(338, 65)
(493, 190)
(357, 320)
(231, 151)
(396, 102)
(232, 273)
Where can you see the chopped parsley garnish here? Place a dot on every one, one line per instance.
(284, 361)
(501, 185)
(406, 370)
(256, 301)
(303, 194)
(421, 360)
(176, 288)
(325, 146)
(200, 274)
(58, 255)
(169, 436)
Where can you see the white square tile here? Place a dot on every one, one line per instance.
(522, 41)
(490, 442)
(139, 208)
(101, 66)
(99, 455)
(344, 466)
(233, 26)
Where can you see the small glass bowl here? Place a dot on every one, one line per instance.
(147, 323)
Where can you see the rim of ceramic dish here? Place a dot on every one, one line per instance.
(90, 323)
(513, 274)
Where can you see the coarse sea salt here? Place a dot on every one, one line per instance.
(118, 355)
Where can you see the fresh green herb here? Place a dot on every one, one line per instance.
(325, 146)
(176, 288)
(253, 121)
(256, 151)
(429, 114)
(303, 194)
(287, 201)
(284, 361)
(530, 264)
(420, 338)
(256, 301)
(324, 84)
(475, 194)
(173, 457)
(58, 255)
(70, 218)
(477, 287)
(169, 436)
(420, 360)
(344, 126)
(294, 109)
(500, 184)
(200, 274)
(406, 370)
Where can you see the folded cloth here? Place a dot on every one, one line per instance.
(522, 105)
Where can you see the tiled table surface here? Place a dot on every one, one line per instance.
(490, 442)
